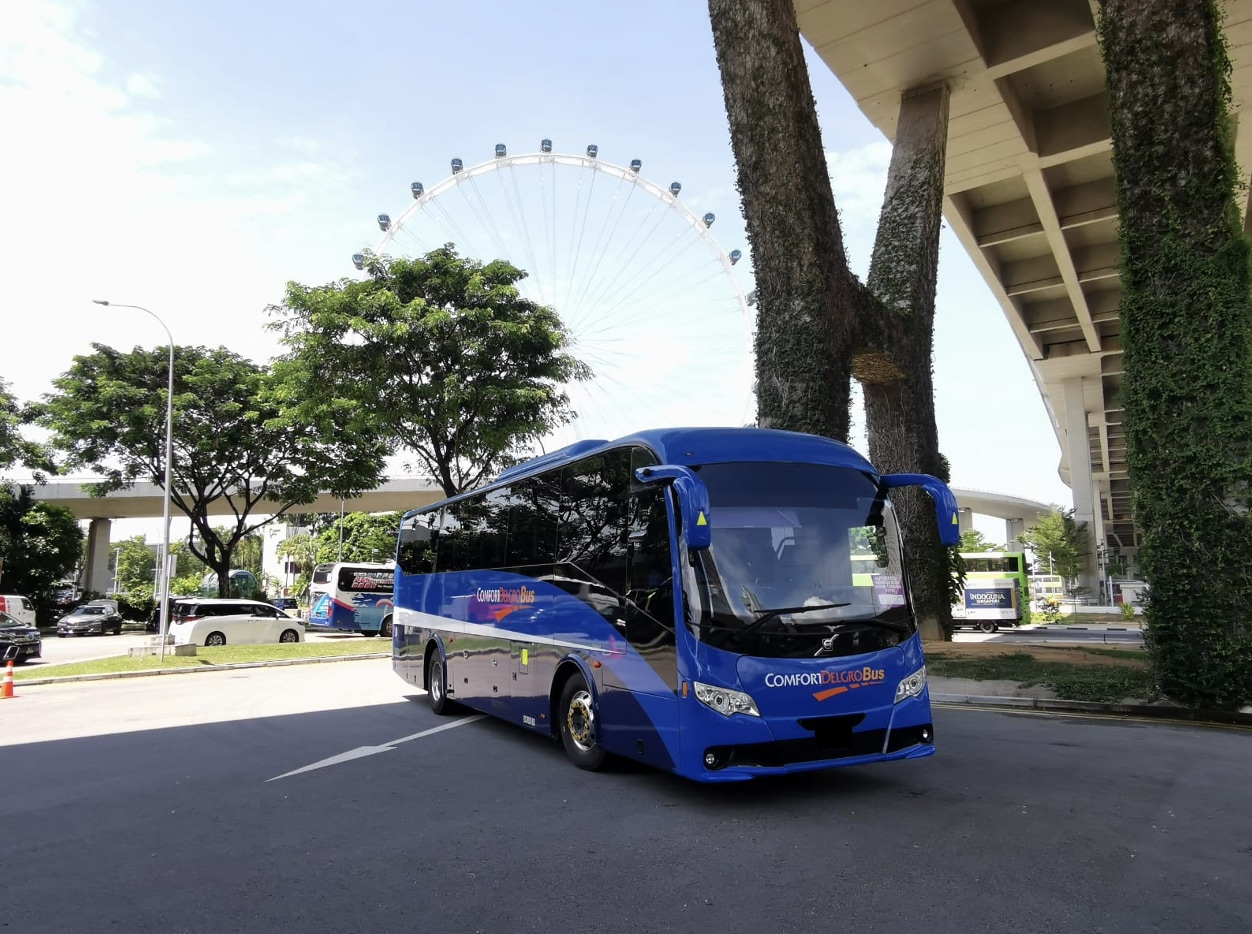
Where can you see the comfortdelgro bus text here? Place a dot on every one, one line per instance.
(679, 597)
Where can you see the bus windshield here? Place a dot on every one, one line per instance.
(805, 561)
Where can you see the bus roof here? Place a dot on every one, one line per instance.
(684, 446)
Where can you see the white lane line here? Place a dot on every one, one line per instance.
(362, 751)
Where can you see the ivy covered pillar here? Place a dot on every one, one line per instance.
(895, 367)
(1186, 327)
(1078, 450)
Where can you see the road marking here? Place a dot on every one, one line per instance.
(362, 751)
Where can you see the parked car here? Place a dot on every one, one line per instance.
(220, 621)
(100, 618)
(18, 641)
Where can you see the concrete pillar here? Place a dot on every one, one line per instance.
(1013, 530)
(96, 574)
(1080, 484)
(965, 519)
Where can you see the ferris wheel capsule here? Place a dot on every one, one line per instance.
(457, 165)
(675, 188)
(501, 150)
(358, 260)
(636, 165)
(384, 222)
(417, 188)
(709, 218)
(545, 145)
(592, 151)
(735, 256)
(752, 298)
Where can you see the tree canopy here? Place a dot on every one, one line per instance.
(40, 544)
(440, 356)
(235, 444)
(1059, 543)
(15, 449)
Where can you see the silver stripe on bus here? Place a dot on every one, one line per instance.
(416, 619)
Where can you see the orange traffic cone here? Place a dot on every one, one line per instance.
(7, 689)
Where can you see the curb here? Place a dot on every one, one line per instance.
(234, 666)
(1149, 711)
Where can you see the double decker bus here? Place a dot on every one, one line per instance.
(997, 588)
(684, 598)
(352, 597)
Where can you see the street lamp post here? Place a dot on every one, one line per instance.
(164, 577)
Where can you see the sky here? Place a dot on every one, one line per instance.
(193, 158)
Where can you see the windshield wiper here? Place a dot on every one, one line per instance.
(786, 611)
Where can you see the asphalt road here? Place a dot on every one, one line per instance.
(1059, 635)
(155, 805)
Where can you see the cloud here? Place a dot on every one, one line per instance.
(138, 85)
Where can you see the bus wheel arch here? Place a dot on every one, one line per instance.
(435, 679)
(574, 717)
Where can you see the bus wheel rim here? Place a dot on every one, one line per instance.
(580, 721)
(436, 682)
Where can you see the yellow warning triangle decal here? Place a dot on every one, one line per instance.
(955, 521)
(700, 520)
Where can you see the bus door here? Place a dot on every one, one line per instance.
(639, 705)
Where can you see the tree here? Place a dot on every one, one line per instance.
(1186, 330)
(15, 449)
(366, 537)
(817, 326)
(233, 440)
(973, 540)
(39, 543)
(1059, 544)
(438, 355)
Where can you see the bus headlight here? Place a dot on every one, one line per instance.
(912, 686)
(725, 701)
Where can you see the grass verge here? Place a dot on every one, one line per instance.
(206, 657)
(1076, 680)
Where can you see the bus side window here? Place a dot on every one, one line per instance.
(418, 545)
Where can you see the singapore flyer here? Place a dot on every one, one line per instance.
(652, 301)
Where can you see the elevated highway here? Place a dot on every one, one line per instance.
(144, 501)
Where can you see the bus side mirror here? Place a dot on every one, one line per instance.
(946, 511)
(693, 500)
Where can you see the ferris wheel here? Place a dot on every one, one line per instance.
(652, 301)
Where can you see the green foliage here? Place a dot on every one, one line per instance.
(40, 545)
(438, 355)
(1186, 329)
(233, 440)
(1059, 544)
(15, 449)
(973, 540)
(1127, 611)
(366, 537)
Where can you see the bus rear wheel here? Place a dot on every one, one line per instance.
(437, 688)
(578, 725)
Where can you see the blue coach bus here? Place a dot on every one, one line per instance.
(681, 597)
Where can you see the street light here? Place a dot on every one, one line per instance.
(164, 576)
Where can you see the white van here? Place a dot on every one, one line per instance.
(18, 607)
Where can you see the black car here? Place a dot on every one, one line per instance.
(18, 641)
(99, 618)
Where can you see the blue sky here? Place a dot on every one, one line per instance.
(195, 157)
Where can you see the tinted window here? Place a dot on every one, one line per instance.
(365, 580)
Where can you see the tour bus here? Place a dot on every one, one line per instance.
(681, 597)
(352, 597)
(997, 587)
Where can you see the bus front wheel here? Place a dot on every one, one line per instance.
(578, 725)
(385, 629)
(436, 687)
